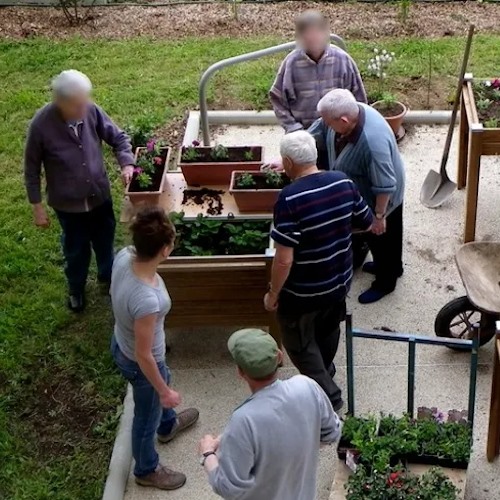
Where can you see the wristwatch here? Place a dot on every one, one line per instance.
(205, 456)
(380, 216)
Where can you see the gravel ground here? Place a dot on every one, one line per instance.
(354, 20)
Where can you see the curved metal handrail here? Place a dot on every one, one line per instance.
(337, 40)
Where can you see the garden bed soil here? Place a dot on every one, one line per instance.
(210, 197)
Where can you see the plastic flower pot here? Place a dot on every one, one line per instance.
(204, 170)
(393, 114)
(436, 461)
(152, 194)
(256, 199)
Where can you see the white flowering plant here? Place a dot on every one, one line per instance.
(378, 67)
(487, 96)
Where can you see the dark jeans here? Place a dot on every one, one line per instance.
(311, 340)
(387, 252)
(80, 233)
(149, 416)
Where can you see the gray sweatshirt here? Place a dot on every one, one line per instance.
(269, 449)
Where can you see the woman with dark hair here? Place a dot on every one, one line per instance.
(140, 303)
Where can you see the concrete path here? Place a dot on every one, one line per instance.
(204, 374)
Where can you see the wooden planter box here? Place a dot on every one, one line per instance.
(253, 200)
(475, 141)
(149, 197)
(217, 173)
(219, 291)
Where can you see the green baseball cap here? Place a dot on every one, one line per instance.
(254, 351)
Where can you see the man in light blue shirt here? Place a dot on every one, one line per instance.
(361, 144)
(269, 449)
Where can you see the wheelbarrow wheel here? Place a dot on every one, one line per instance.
(457, 318)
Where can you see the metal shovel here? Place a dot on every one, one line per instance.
(438, 187)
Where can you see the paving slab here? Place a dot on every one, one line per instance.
(203, 371)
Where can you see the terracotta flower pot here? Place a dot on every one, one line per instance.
(395, 121)
(206, 171)
(139, 197)
(253, 199)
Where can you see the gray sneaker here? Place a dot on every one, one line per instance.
(185, 419)
(163, 479)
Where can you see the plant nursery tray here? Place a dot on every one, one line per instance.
(172, 198)
(342, 473)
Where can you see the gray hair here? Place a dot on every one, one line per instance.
(300, 148)
(71, 82)
(338, 103)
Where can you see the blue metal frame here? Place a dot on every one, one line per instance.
(412, 341)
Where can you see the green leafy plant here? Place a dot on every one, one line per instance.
(274, 179)
(492, 123)
(205, 236)
(191, 153)
(404, 10)
(144, 180)
(245, 181)
(248, 155)
(149, 160)
(141, 130)
(483, 104)
(219, 153)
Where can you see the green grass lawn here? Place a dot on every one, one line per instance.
(59, 393)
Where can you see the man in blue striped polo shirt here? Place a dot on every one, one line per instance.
(314, 218)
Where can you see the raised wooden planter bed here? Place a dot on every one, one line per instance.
(475, 141)
(206, 171)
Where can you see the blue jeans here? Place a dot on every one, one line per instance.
(80, 233)
(149, 416)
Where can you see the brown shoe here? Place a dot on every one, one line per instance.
(163, 479)
(185, 419)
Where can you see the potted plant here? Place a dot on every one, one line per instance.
(355, 429)
(387, 105)
(148, 180)
(487, 97)
(213, 165)
(257, 191)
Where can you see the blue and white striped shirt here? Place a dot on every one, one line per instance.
(315, 215)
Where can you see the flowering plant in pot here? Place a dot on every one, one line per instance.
(487, 97)
(213, 165)
(257, 191)
(387, 105)
(148, 180)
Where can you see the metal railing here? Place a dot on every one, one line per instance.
(412, 341)
(231, 61)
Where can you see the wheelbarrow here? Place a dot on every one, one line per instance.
(479, 267)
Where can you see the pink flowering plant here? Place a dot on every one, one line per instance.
(149, 161)
(190, 153)
(487, 95)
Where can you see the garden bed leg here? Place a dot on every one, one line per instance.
(472, 185)
(493, 443)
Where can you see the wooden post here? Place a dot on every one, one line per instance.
(472, 182)
(493, 442)
(463, 147)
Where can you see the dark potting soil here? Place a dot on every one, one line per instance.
(156, 177)
(389, 110)
(235, 154)
(261, 182)
(209, 197)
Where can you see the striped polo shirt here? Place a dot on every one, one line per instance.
(315, 215)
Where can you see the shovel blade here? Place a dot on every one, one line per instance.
(436, 190)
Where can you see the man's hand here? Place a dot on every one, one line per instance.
(40, 216)
(378, 226)
(208, 443)
(276, 164)
(127, 173)
(271, 301)
(170, 399)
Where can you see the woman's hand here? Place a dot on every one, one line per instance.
(170, 398)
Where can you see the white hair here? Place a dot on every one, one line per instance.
(300, 148)
(71, 82)
(338, 103)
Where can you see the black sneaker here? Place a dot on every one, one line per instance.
(76, 302)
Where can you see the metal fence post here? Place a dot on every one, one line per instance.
(350, 364)
(411, 376)
(473, 374)
(236, 60)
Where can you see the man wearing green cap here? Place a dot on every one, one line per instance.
(269, 449)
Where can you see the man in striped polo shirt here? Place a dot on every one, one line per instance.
(314, 218)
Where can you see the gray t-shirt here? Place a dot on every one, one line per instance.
(269, 449)
(133, 299)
